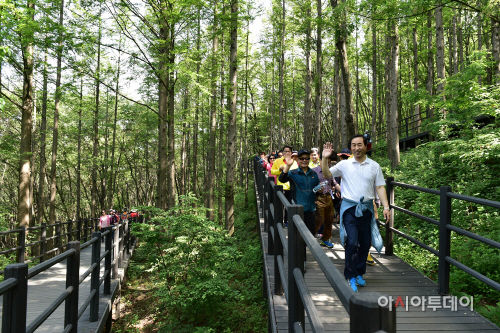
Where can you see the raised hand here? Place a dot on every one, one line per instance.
(289, 160)
(327, 150)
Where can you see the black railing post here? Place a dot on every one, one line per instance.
(444, 240)
(43, 244)
(127, 236)
(15, 300)
(406, 125)
(72, 280)
(107, 263)
(278, 246)
(120, 245)
(367, 316)
(70, 230)
(58, 237)
(295, 260)
(94, 279)
(79, 230)
(22, 244)
(268, 193)
(389, 235)
(85, 230)
(115, 250)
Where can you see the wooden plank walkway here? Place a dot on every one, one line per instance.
(391, 276)
(45, 287)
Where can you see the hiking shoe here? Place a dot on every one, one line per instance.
(360, 281)
(369, 260)
(326, 243)
(352, 283)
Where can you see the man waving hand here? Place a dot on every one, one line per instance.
(360, 176)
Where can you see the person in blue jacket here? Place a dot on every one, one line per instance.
(302, 182)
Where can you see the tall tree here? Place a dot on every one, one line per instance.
(231, 131)
(55, 130)
(27, 40)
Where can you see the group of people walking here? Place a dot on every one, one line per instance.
(106, 221)
(347, 191)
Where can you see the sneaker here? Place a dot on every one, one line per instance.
(286, 224)
(319, 236)
(369, 260)
(326, 243)
(360, 281)
(352, 283)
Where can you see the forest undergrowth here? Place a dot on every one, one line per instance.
(469, 162)
(188, 275)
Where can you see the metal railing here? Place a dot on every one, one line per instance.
(63, 234)
(407, 126)
(14, 288)
(445, 228)
(363, 308)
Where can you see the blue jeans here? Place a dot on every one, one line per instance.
(358, 241)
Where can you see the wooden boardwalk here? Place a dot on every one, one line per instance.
(45, 287)
(391, 276)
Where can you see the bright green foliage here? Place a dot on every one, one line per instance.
(205, 280)
(470, 163)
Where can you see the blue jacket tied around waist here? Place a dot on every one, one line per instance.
(361, 206)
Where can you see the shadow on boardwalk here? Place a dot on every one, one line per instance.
(45, 287)
(391, 276)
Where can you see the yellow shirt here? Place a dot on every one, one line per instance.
(313, 165)
(275, 170)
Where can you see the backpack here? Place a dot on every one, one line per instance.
(124, 217)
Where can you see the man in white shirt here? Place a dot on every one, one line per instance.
(361, 176)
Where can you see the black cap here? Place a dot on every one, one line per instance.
(303, 151)
(345, 151)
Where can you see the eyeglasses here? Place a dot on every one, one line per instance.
(272, 158)
(304, 159)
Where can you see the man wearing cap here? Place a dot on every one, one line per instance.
(278, 166)
(360, 176)
(302, 182)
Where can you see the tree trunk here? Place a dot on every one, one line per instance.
(55, 131)
(43, 158)
(454, 42)
(346, 79)
(245, 158)
(213, 117)
(182, 185)
(308, 79)
(392, 114)
(319, 78)
(415, 81)
(231, 130)
(430, 62)
(197, 109)
(24, 204)
(479, 41)
(337, 142)
(495, 48)
(163, 86)
(79, 165)
(113, 144)
(440, 51)
(95, 151)
(343, 114)
(171, 124)
(282, 74)
(374, 84)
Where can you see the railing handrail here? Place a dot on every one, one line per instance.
(446, 227)
(15, 285)
(296, 292)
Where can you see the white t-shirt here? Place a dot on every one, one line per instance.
(358, 180)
